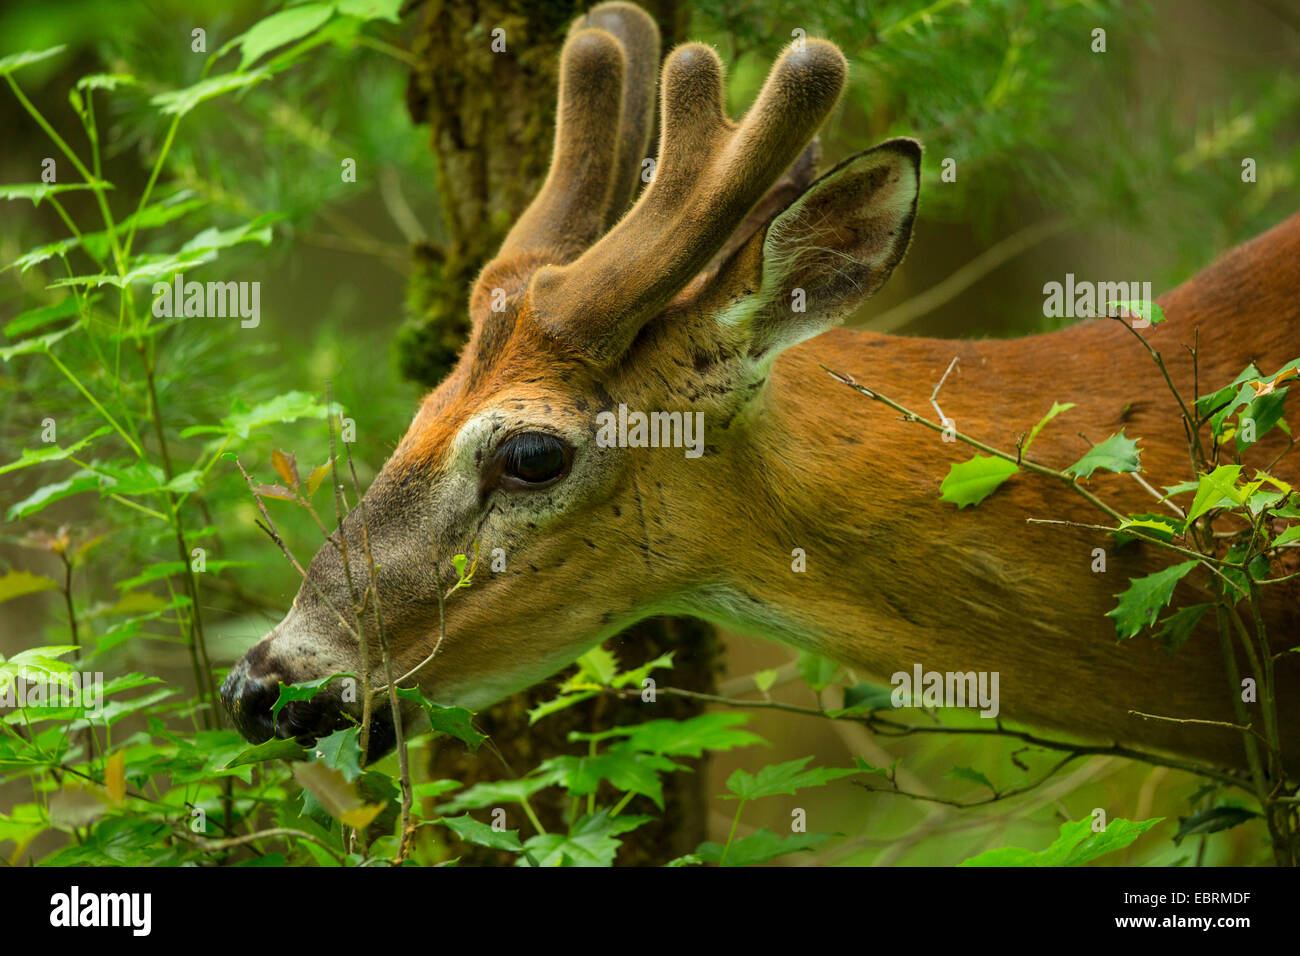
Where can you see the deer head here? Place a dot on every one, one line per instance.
(588, 318)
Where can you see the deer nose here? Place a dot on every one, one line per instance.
(249, 701)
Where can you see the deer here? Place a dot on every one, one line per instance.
(678, 300)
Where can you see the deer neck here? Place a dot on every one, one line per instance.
(795, 536)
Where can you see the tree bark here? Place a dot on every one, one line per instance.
(491, 121)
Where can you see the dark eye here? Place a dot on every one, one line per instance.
(533, 460)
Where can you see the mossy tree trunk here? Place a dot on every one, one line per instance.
(491, 121)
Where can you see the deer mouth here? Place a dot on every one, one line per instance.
(250, 702)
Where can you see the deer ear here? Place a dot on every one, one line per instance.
(827, 252)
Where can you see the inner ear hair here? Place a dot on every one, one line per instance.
(825, 254)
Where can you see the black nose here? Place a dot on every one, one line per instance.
(249, 702)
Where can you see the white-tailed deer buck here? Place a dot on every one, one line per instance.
(682, 303)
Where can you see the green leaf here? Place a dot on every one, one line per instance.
(53, 452)
(886, 772)
(1263, 499)
(760, 847)
(258, 230)
(1218, 489)
(38, 318)
(1075, 846)
(16, 61)
(637, 675)
(39, 343)
(1212, 821)
(625, 769)
(180, 102)
(288, 692)
(1162, 527)
(1178, 627)
(1290, 508)
(764, 680)
(148, 267)
(341, 751)
(288, 407)
(97, 244)
(43, 497)
(143, 478)
(280, 28)
(591, 843)
(456, 721)
(493, 793)
(16, 584)
(1289, 535)
(38, 191)
(556, 704)
(276, 748)
(1145, 598)
(1239, 587)
(1207, 403)
(865, 698)
(371, 9)
(106, 81)
(472, 831)
(1266, 411)
(782, 778)
(1138, 308)
(971, 775)
(34, 257)
(1055, 410)
(431, 789)
(816, 671)
(682, 738)
(599, 665)
(36, 663)
(1116, 453)
(970, 482)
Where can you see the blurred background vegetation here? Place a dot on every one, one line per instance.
(1122, 164)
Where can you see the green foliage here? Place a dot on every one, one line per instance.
(759, 847)
(1076, 845)
(1146, 597)
(970, 482)
(782, 778)
(1116, 453)
(592, 841)
(682, 738)
(1261, 512)
(454, 721)
(1056, 409)
(1212, 821)
(471, 831)
(816, 671)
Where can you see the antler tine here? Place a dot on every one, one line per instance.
(711, 172)
(639, 35)
(607, 75)
(569, 211)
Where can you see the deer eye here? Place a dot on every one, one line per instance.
(533, 460)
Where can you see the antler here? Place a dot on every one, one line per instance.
(711, 172)
(607, 77)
